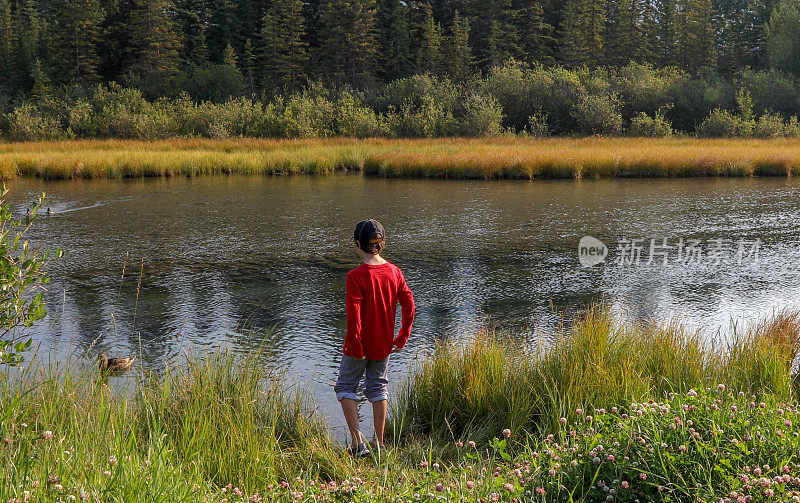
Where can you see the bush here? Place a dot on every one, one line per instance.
(537, 126)
(644, 125)
(354, 119)
(482, 116)
(217, 83)
(722, 124)
(597, 115)
(25, 123)
(769, 125)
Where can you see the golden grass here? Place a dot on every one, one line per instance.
(503, 157)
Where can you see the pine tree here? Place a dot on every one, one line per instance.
(666, 12)
(394, 40)
(698, 37)
(222, 27)
(74, 37)
(347, 40)
(583, 27)
(192, 25)
(249, 67)
(537, 34)
(41, 83)
(6, 43)
(429, 55)
(459, 54)
(494, 32)
(153, 44)
(649, 41)
(26, 42)
(283, 52)
(622, 39)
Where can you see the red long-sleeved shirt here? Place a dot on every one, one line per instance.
(373, 292)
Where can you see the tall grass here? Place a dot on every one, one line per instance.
(440, 158)
(476, 390)
(217, 421)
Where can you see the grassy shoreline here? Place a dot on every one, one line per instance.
(501, 157)
(644, 410)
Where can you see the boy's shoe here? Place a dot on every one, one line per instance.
(361, 451)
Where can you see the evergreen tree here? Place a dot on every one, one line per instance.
(347, 40)
(249, 67)
(650, 44)
(222, 27)
(698, 36)
(537, 34)
(283, 52)
(74, 37)
(6, 43)
(41, 83)
(494, 32)
(582, 33)
(153, 43)
(192, 25)
(783, 37)
(623, 43)
(732, 20)
(429, 55)
(26, 39)
(459, 54)
(666, 12)
(394, 55)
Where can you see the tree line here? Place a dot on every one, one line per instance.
(217, 48)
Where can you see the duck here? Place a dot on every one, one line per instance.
(50, 212)
(114, 365)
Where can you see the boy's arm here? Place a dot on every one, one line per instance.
(406, 299)
(352, 339)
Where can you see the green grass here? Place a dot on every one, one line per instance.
(224, 428)
(504, 157)
(476, 390)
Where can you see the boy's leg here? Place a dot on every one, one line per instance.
(379, 410)
(375, 391)
(350, 372)
(350, 409)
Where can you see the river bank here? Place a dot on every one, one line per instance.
(611, 411)
(502, 157)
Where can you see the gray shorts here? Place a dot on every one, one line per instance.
(352, 370)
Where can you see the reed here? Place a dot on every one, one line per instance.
(180, 434)
(474, 390)
(504, 157)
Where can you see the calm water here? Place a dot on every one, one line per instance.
(221, 259)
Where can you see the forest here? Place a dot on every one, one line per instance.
(220, 68)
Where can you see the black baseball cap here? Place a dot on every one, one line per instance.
(368, 232)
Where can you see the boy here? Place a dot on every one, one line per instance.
(373, 290)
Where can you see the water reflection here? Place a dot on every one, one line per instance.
(212, 261)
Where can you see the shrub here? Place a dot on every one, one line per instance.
(644, 125)
(597, 115)
(82, 120)
(537, 126)
(482, 116)
(722, 124)
(354, 119)
(217, 83)
(428, 120)
(769, 125)
(25, 123)
(309, 116)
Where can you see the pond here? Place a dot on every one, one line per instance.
(246, 262)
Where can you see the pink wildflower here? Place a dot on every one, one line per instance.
(47, 435)
(506, 432)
